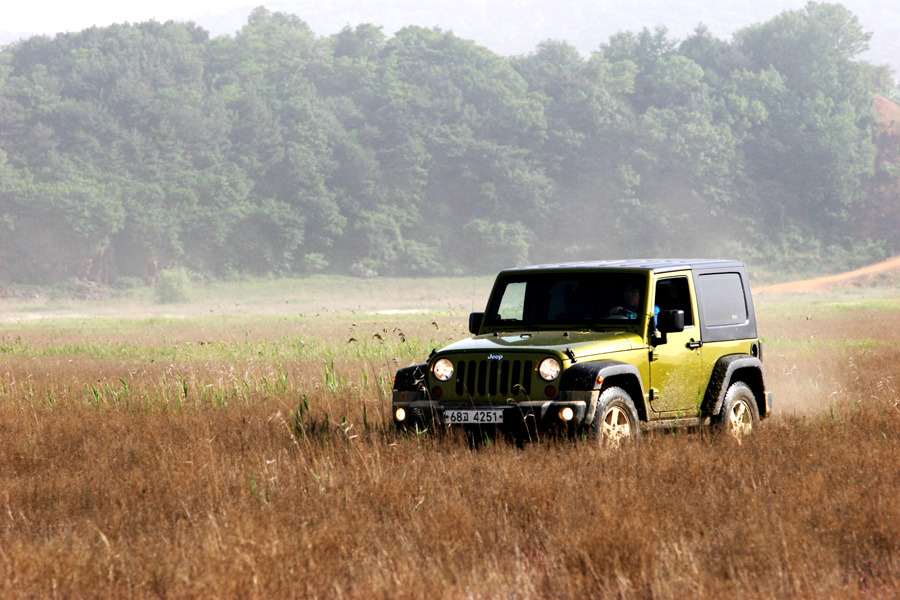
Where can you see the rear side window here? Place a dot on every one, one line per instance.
(724, 302)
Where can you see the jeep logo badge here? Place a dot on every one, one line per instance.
(495, 357)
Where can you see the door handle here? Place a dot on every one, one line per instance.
(692, 345)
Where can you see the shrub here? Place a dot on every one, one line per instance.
(128, 283)
(173, 285)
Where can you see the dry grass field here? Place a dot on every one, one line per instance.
(240, 449)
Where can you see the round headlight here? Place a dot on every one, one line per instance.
(442, 369)
(549, 369)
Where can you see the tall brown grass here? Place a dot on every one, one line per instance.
(267, 477)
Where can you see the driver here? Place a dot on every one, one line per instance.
(631, 302)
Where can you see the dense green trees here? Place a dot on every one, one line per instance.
(814, 152)
(132, 149)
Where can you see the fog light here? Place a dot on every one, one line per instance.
(400, 414)
(566, 413)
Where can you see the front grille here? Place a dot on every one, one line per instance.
(480, 378)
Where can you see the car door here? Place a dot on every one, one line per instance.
(675, 367)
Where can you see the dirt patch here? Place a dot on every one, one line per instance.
(888, 113)
(860, 277)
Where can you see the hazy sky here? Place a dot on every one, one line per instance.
(52, 16)
(507, 27)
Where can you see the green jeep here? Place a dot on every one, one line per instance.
(603, 348)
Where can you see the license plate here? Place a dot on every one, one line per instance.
(480, 417)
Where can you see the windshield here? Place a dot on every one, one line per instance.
(553, 299)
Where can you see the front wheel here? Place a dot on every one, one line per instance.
(740, 414)
(615, 420)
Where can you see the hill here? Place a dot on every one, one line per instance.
(130, 150)
(858, 277)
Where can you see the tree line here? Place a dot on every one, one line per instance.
(130, 149)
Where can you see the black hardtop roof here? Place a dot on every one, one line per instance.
(658, 265)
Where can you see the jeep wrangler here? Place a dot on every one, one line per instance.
(604, 349)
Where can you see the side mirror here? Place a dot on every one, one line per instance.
(667, 321)
(475, 320)
(670, 321)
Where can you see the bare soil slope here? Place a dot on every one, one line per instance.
(888, 113)
(859, 277)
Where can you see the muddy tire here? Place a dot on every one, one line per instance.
(615, 421)
(740, 414)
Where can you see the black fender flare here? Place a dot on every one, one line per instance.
(596, 375)
(411, 379)
(722, 375)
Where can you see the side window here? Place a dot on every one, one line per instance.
(723, 299)
(675, 294)
(512, 305)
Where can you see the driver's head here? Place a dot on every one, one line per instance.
(631, 295)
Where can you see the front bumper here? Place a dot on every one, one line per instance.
(529, 415)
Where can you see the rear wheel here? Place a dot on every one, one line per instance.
(615, 421)
(740, 414)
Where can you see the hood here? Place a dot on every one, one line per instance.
(581, 343)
